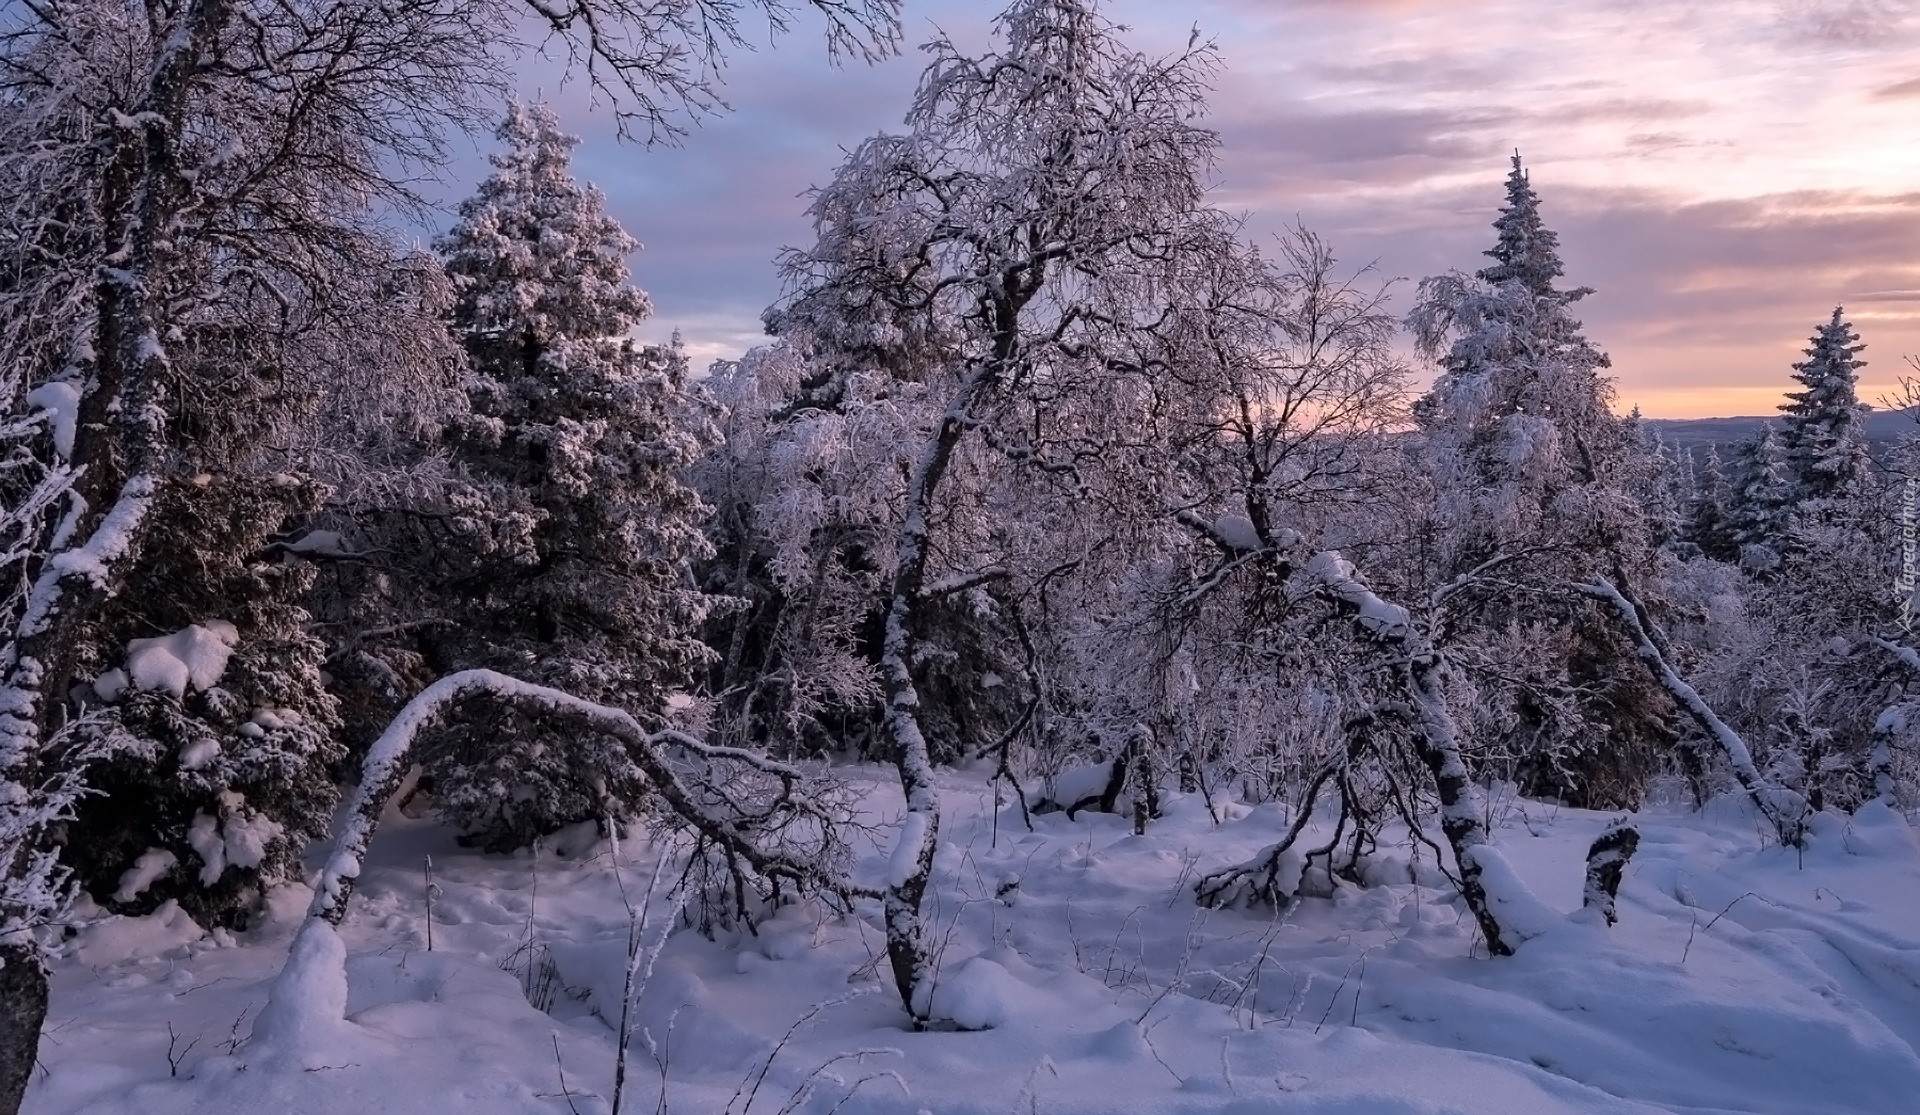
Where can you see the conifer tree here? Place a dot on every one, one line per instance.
(1534, 474)
(576, 529)
(1824, 436)
(1710, 517)
(1657, 478)
(1765, 501)
(1519, 417)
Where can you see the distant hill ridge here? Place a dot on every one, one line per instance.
(1884, 427)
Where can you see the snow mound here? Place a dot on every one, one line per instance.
(981, 995)
(308, 1006)
(115, 940)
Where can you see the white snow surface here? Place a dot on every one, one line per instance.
(195, 656)
(1743, 977)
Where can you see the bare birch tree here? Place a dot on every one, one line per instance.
(1004, 253)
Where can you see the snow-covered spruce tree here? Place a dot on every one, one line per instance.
(1000, 255)
(203, 154)
(1710, 510)
(1800, 675)
(1763, 503)
(1811, 466)
(1824, 433)
(1657, 480)
(179, 240)
(1535, 475)
(574, 445)
(223, 724)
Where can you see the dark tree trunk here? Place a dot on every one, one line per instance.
(1606, 862)
(23, 1007)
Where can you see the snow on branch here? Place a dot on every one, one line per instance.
(1783, 808)
(385, 767)
(1907, 655)
(92, 561)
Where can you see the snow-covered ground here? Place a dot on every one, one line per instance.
(1741, 977)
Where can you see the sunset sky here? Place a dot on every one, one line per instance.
(1723, 172)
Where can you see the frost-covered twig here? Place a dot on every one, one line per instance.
(640, 962)
(749, 1086)
(1785, 810)
(1258, 879)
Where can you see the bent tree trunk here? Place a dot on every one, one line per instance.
(1785, 810)
(909, 949)
(1507, 912)
(295, 1008)
(386, 768)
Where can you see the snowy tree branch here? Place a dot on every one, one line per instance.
(1785, 810)
(386, 766)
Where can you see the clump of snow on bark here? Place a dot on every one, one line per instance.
(194, 656)
(61, 401)
(153, 863)
(906, 848)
